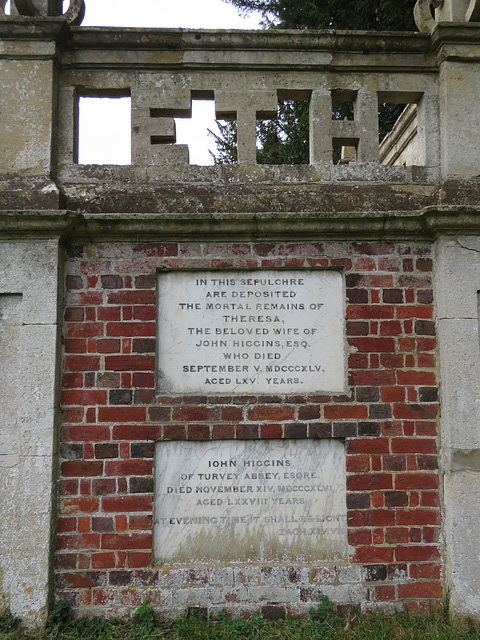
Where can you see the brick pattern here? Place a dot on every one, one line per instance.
(112, 416)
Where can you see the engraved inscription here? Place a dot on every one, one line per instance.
(277, 500)
(251, 332)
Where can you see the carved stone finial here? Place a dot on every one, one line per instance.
(446, 11)
(422, 14)
(45, 9)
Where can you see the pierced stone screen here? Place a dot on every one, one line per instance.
(251, 332)
(250, 500)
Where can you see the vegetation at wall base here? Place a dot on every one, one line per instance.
(323, 623)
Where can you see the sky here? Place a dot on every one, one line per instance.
(105, 123)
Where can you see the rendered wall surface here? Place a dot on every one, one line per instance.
(28, 350)
(458, 284)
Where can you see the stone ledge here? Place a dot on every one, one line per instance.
(430, 222)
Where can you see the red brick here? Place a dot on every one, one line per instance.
(373, 378)
(414, 445)
(136, 432)
(423, 378)
(198, 432)
(82, 504)
(426, 344)
(86, 433)
(84, 329)
(109, 313)
(431, 571)
(431, 590)
(139, 560)
(358, 464)
(128, 329)
(370, 312)
(108, 346)
(66, 525)
(75, 345)
(390, 328)
(430, 499)
(140, 522)
(392, 394)
(369, 482)
(271, 413)
(156, 250)
(368, 445)
(82, 363)
(81, 468)
(72, 415)
(416, 481)
(415, 411)
(396, 535)
(374, 345)
(82, 541)
(223, 432)
(418, 517)
(413, 553)
(103, 560)
(349, 411)
(144, 380)
(384, 593)
(139, 297)
(81, 397)
(357, 537)
(174, 432)
(121, 414)
(130, 363)
(414, 311)
(182, 414)
(81, 580)
(117, 541)
(374, 555)
(232, 413)
(124, 504)
(136, 467)
(371, 518)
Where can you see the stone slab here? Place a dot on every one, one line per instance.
(272, 331)
(238, 501)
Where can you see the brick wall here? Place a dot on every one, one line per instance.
(112, 417)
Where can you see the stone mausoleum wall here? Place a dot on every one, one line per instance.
(104, 276)
(112, 417)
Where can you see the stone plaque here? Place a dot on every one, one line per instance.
(251, 332)
(250, 500)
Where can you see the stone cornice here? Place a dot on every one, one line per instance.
(428, 223)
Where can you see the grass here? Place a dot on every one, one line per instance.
(323, 623)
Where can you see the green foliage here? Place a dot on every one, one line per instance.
(8, 622)
(376, 15)
(285, 140)
(61, 616)
(226, 141)
(145, 619)
(323, 623)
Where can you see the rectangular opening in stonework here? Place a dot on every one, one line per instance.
(272, 331)
(104, 129)
(239, 501)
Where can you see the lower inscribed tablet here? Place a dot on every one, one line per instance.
(236, 501)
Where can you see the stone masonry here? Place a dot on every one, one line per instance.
(80, 250)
